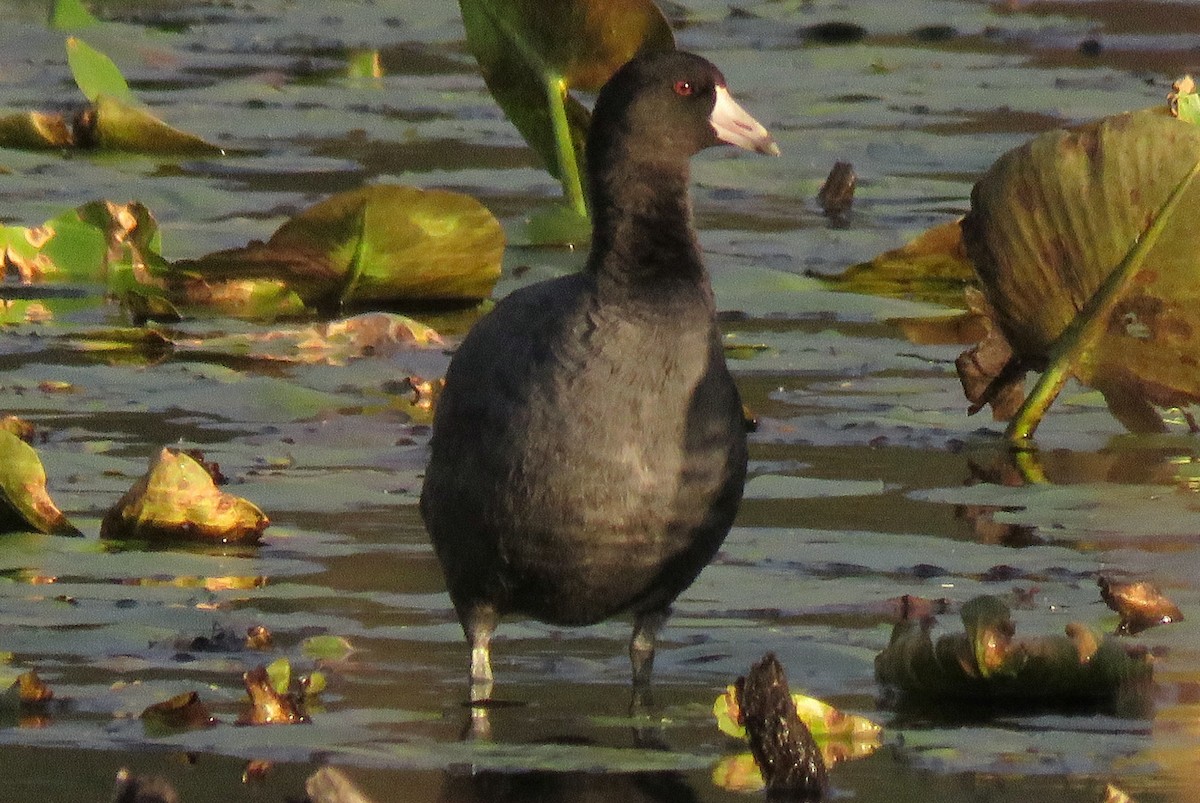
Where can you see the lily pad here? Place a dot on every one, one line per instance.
(1053, 218)
(122, 124)
(378, 244)
(25, 504)
(178, 499)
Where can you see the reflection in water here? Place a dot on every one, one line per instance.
(570, 787)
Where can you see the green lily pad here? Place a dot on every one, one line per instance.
(25, 504)
(178, 499)
(1052, 219)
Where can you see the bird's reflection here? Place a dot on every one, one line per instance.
(541, 786)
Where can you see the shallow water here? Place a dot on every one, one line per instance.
(869, 481)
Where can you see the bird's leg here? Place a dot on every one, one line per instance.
(641, 653)
(479, 622)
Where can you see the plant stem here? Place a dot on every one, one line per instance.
(564, 146)
(1085, 329)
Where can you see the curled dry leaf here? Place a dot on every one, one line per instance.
(267, 705)
(177, 498)
(1141, 605)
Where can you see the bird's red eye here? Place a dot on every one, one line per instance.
(684, 88)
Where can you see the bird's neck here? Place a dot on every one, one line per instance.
(642, 237)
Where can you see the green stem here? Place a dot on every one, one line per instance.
(556, 100)
(1087, 326)
(564, 145)
(354, 270)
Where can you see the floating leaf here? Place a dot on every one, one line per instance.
(147, 788)
(259, 637)
(989, 665)
(95, 74)
(122, 124)
(177, 498)
(377, 244)
(532, 53)
(327, 648)
(823, 720)
(1053, 218)
(364, 64)
(181, 712)
(931, 267)
(34, 131)
(25, 504)
(28, 690)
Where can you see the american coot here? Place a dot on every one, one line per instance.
(589, 449)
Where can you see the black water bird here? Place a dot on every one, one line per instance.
(589, 450)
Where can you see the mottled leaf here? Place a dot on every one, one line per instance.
(178, 499)
(1051, 219)
(377, 244)
(25, 504)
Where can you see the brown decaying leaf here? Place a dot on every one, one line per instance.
(17, 426)
(784, 749)
(267, 706)
(182, 712)
(1140, 604)
(989, 371)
